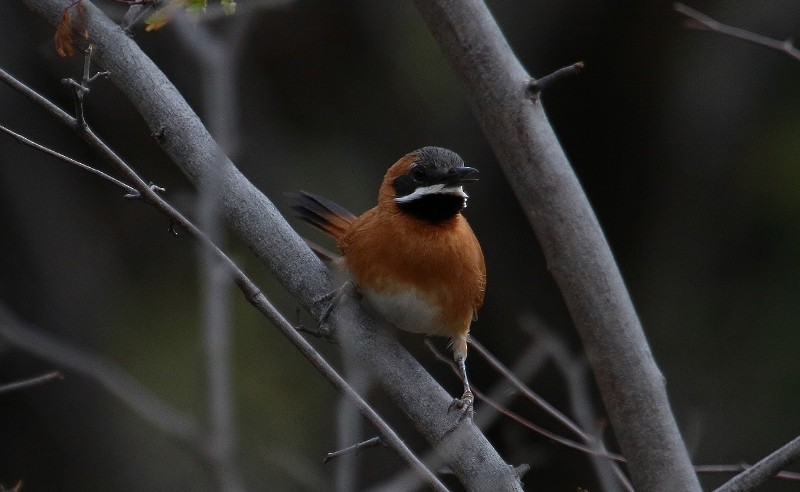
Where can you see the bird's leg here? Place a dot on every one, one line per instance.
(331, 301)
(465, 403)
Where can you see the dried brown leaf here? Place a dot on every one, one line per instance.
(82, 20)
(65, 45)
(65, 31)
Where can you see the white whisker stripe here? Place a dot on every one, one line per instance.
(437, 189)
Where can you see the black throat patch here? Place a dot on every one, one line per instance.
(436, 207)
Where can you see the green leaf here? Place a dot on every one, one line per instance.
(196, 6)
(157, 19)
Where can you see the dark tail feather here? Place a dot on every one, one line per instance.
(322, 213)
(322, 253)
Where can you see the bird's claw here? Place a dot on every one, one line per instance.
(465, 405)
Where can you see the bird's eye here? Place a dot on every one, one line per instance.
(417, 173)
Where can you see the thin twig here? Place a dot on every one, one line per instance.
(732, 469)
(27, 383)
(41, 148)
(250, 290)
(592, 443)
(355, 448)
(529, 363)
(536, 86)
(529, 393)
(574, 371)
(699, 20)
(521, 420)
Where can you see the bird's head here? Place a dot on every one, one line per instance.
(428, 184)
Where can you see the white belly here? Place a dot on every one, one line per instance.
(406, 309)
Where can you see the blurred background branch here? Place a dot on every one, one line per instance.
(699, 20)
(117, 382)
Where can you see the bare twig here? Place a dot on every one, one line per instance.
(525, 367)
(575, 372)
(28, 383)
(765, 469)
(699, 20)
(41, 148)
(732, 469)
(529, 363)
(536, 86)
(355, 448)
(80, 88)
(250, 290)
(531, 395)
(521, 420)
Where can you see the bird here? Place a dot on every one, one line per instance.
(413, 258)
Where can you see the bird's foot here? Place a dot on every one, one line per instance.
(330, 302)
(464, 405)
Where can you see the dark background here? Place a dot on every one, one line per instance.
(686, 143)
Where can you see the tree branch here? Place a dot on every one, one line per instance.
(575, 248)
(41, 148)
(30, 382)
(765, 469)
(261, 227)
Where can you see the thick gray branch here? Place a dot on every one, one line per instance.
(577, 253)
(258, 224)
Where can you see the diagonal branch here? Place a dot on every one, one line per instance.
(262, 228)
(765, 469)
(577, 253)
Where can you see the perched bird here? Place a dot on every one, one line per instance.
(414, 257)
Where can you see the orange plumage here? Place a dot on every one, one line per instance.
(413, 257)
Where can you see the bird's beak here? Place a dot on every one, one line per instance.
(460, 175)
